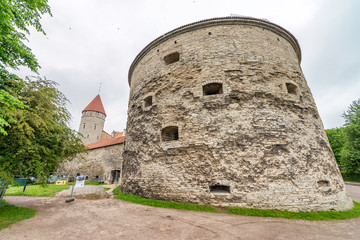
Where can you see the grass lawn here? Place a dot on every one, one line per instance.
(163, 204)
(353, 213)
(36, 190)
(332, 215)
(10, 214)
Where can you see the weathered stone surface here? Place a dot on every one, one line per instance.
(98, 162)
(259, 143)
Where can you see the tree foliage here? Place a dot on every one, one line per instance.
(16, 16)
(34, 133)
(350, 155)
(41, 138)
(8, 103)
(336, 140)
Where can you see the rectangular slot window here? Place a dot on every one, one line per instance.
(170, 134)
(220, 189)
(212, 89)
(291, 88)
(171, 58)
(148, 101)
(323, 183)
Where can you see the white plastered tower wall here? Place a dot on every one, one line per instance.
(92, 121)
(91, 126)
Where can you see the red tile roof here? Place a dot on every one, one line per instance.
(95, 105)
(106, 143)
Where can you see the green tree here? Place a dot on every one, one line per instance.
(41, 138)
(7, 103)
(336, 140)
(16, 16)
(350, 156)
(32, 113)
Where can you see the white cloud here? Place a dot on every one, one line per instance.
(92, 41)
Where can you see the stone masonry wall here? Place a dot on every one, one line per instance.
(260, 143)
(95, 162)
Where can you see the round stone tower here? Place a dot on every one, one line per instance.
(92, 121)
(220, 113)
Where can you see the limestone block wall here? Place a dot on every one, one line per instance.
(95, 162)
(91, 126)
(220, 113)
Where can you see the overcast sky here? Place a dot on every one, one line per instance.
(89, 42)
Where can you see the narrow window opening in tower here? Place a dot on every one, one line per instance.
(95, 127)
(212, 89)
(291, 88)
(148, 101)
(220, 189)
(97, 114)
(170, 134)
(171, 58)
(323, 183)
(88, 136)
(84, 125)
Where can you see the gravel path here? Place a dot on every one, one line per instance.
(114, 219)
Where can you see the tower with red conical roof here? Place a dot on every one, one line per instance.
(92, 121)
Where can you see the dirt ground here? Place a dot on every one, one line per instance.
(114, 219)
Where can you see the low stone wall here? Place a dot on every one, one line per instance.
(98, 162)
